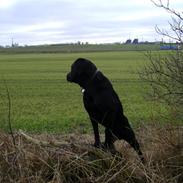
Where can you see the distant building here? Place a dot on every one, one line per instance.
(135, 41)
(13, 44)
(168, 47)
(128, 41)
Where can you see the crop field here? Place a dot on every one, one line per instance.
(43, 101)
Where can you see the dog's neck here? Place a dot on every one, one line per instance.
(90, 80)
(93, 76)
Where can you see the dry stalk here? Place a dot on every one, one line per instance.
(9, 111)
(41, 142)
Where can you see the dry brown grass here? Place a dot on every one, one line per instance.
(78, 162)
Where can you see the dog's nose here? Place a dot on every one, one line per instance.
(69, 77)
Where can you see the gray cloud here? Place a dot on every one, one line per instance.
(55, 21)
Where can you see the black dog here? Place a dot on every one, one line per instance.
(102, 104)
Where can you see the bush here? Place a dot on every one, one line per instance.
(164, 72)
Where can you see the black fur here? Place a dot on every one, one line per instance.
(102, 104)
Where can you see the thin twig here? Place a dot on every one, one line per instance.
(9, 111)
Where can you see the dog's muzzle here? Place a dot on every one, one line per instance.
(69, 78)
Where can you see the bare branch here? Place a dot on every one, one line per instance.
(165, 76)
(176, 25)
(166, 6)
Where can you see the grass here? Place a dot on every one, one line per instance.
(43, 101)
(79, 162)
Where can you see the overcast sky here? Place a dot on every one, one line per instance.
(95, 21)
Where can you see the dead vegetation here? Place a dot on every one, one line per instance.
(71, 158)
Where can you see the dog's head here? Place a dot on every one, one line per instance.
(82, 72)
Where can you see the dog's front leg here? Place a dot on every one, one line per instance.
(96, 133)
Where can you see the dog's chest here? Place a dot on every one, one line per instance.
(88, 100)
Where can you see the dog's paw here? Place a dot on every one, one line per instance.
(97, 145)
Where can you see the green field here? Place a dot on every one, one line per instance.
(43, 101)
